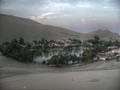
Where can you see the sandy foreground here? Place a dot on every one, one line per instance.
(95, 76)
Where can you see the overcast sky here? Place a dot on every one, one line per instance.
(77, 15)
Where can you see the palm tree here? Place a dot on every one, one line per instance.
(21, 41)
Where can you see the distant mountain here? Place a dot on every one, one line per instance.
(14, 27)
(106, 35)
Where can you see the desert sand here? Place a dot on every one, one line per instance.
(95, 76)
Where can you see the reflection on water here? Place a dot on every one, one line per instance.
(48, 54)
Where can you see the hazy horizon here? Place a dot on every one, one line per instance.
(77, 15)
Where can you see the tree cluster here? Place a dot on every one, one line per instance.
(17, 50)
(62, 59)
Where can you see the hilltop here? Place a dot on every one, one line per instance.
(14, 27)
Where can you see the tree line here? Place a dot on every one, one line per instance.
(23, 51)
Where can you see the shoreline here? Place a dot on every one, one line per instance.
(10, 67)
(101, 75)
(10, 71)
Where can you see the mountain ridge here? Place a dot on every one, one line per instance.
(14, 27)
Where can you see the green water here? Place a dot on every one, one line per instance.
(48, 54)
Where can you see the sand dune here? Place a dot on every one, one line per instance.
(12, 27)
(95, 76)
(9, 66)
(15, 27)
(98, 80)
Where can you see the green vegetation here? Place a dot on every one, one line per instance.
(17, 50)
(118, 59)
(98, 46)
(25, 52)
(61, 59)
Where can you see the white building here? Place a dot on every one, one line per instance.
(116, 51)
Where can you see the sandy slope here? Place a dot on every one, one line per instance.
(94, 76)
(12, 27)
(91, 80)
(10, 66)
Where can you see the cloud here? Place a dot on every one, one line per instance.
(57, 6)
(115, 3)
(23, 2)
(84, 5)
(45, 16)
(62, 12)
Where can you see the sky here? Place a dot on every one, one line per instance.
(77, 15)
